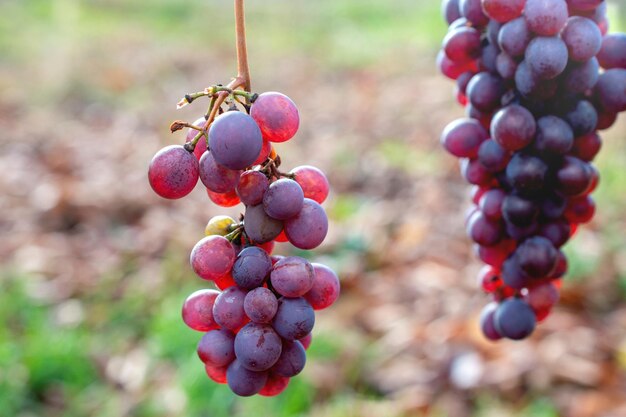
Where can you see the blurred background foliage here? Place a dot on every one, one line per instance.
(94, 266)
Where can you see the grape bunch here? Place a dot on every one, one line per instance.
(538, 79)
(258, 325)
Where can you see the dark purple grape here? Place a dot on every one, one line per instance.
(491, 204)
(519, 211)
(520, 233)
(558, 232)
(228, 308)
(292, 359)
(484, 91)
(212, 257)
(612, 54)
(493, 156)
(173, 172)
(611, 90)
(554, 136)
(529, 86)
(582, 37)
(284, 199)
(583, 117)
(450, 10)
(260, 227)
(537, 257)
(463, 137)
(216, 177)
(463, 80)
(462, 44)
(244, 382)
(257, 346)
(473, 11)
(488, 55)
(217, 347)
(581, 76)
(546, 17)
(513, 127)
(251, 268)
(546, 57)
(484, 231)
(514, 319)
(514, 37)
(513, 275)
(506, 66)
(573, 177)
(292, 276)
(587, 147)
(260, 305)
(235, 140)
(526, 173)
(553, 206)
(474, 172)
(493, 29)
(308, 228)
(251, 187)
(294, 319)
(486, 322)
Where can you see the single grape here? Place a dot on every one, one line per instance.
(526, 173)
(585, 4)
(306, 341)
(554, 136)
(325, 289)
(487, 322)
(513, 275)
(243, 381)
(251, 268)
(260, 305)
(463, 137)
(489, 279)
(266, 151)
(611, 53)
(582, 37)
(521, 233)
(573, 177)
(284, 199)
(308, 228)
(257, 346)
(173, 172)
(514, 37)
(217, 347)
(492, 156)
(531, 87)
(546, 57)
(561, 267)
(198, 310)
(546, 17)
(491, 204)
(228, 309)
(493, 29)
(514, 319)
(251, 187)
(513, 127)
(475, 173)
(224, 282)
(503, 10)
(453, 69)
(483, 231)
(462, 44)
(583, 117)
(541, 298)
(216, 373)
(610, 90)
(275, 385)
(586, 147)
(235, 140)
(260, 227)
(294, 319)
(580, 210)
(313, 182)
(506, 66)
(450, 10)
(292, 359)
(488, 55)
(228, 199)
(276, 115)
(216, 177)
(519, 211)
(581, 76)
(484, 91)
(212, 257)
(557, 232)
(292, 276)
(497, 254)
(473, 11)
(219, 225)
(537, 257)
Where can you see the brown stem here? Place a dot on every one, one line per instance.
(243, 71)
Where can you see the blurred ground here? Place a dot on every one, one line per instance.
(94, 265)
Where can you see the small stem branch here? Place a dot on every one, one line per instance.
(243, 71)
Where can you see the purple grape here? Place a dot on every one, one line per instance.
(537, 257)
(325, 289)
(228, 308)
(251, 187)
(493, 30)
(292, 359)
(216, 177)
(526, 173)
(583, 118)
(513, 275)
(493, 156)
(284, 199)
(450, 10)
(173, 172)
(292, 276)
(484, 91)
(484, 231)
(486, 322)
(294, 319)
(260, 227)
(217, 347)
(513, 127)
(308, 228)
(546, 17)
(587, 147)
(257, 346)
(244, 382)
(462, 44)
(612, 54)
(514, 319)
(582, 37)
(611, 90)
(235, 140)
(531, 87)
(473, 11)
(554, 136)
(580, 77)
(462, 137)
(251, 268)
(553, 206)
(519, 211)
(260, 305)
(491, 203)
(488, 55)
(212, 257)
(506, 66)
(514, 37)
(573, 177)
(475, 173)
(503, 10)
(520, 233)
(546, 57)
(558, 232)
